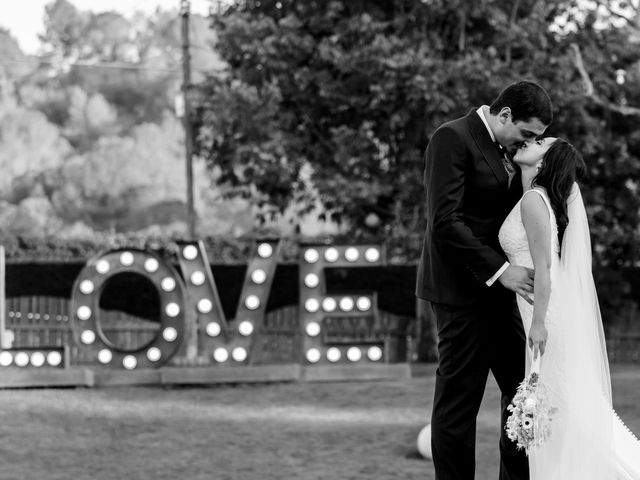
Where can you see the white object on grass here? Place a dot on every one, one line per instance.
(424, 442)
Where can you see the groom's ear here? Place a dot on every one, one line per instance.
(504, 114)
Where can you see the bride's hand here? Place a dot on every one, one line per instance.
(537, 338)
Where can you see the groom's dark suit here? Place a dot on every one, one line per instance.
(479, 329)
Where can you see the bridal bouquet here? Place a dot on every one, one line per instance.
(530, 421)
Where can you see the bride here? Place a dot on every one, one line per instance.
(547, 230)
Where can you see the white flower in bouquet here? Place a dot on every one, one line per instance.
(531, 414)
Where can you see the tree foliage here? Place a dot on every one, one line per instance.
(90, 139)
(354, 89)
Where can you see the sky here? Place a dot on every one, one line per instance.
(23, 18)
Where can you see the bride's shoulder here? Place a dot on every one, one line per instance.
(539, 200)
(541, 191)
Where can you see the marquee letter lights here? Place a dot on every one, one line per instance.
(318, 309)
(221, 341)
(85, 300)
(55, 357)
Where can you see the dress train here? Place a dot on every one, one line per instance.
(626, 449)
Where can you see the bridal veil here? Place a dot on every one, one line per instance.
(599, 445)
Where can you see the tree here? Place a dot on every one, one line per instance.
(355, 89)
(351, 91)
(134, 63)
(121, 175)
(89, 136)
(15, 65)
(131, 183)
(358, 88)
(31, 146)
(33, 217)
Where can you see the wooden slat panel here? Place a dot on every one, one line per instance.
(39, 321)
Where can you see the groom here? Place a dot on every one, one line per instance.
(471, 186)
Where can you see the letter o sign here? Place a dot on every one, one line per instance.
(85, 300)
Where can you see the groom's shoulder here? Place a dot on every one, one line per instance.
(457, 126)
(461, 123)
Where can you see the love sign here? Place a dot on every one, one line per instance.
(192, 323)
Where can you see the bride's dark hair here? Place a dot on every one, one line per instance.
(562, 165)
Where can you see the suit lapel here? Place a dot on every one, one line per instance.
(515, 190)
(487, 148)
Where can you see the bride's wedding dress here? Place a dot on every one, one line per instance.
(588, 440)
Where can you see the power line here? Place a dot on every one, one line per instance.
(120, 66)
(133, 9)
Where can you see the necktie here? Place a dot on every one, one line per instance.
(506, 161)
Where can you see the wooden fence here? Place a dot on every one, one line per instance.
(39, 321)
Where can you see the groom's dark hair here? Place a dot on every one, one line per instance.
(526, 100)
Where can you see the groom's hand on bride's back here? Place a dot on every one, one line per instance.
(518, 279)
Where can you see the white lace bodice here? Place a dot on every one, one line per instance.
(513, 240)
(513, 237)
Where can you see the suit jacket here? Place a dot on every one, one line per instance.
(467, 199)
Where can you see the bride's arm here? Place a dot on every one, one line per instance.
(535, 217)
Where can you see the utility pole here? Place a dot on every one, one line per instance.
(186, 84)
(190, 346)
(4, 340)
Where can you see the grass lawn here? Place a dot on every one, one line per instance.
(337, 430)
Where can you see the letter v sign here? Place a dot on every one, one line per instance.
(219, 340)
